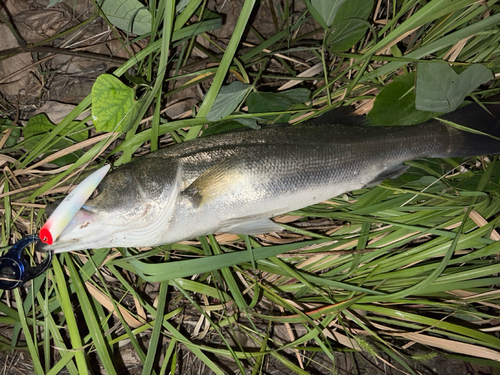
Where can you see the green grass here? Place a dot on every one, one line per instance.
(413, 260)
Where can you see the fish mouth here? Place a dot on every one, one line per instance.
(85, 230)
(109, 222)
(93, 228)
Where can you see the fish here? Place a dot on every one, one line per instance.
(236, 182)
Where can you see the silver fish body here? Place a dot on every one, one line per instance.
(236, 182)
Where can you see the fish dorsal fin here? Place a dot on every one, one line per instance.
(392, 173)
(340, 115)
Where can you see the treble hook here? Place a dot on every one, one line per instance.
(15, 270)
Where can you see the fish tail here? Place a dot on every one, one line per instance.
(483, 134)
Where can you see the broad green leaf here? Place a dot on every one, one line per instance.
(181, 4)
(229, 125)
(250, 122)
(281, 101)
(315, 14)
(354, 9)
(395, 104)
(37, 127)
(327, 9)
(128, 15)
(14, 136)
(227, 100)
(113, 104)
(6, 124)
(349, 24)
(137, 80)
(346, 34)
(75, 131)
(40, 124)
(37, 124)
(440, 89)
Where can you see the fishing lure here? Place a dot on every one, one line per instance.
(14, 268)
(68, 208)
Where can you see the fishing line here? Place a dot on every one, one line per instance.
(435, 181)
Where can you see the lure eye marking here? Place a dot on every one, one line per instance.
(70, 206)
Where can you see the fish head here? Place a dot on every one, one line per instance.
(120, 199)
(127, 209)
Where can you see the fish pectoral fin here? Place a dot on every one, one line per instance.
(215, 181)
(392, 173)
(252, 227)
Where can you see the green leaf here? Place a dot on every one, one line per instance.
(327, 9)
(354, 9)
(113, 104)
(40, 124)
(439, 88)
(227, 100)
(346, 34)
(250, 122)
(37, 127)
(395, 104)
(315, 14)
(273, 102)
(37, 124)
(128, 15)
(230, 125)
(14, 136)
(137, 80)
(77, 128)
(349, 24)
(6, 124)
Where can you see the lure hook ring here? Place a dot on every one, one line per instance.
(15, 270)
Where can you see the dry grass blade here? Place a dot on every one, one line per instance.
(453, 346)
(480, 221)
